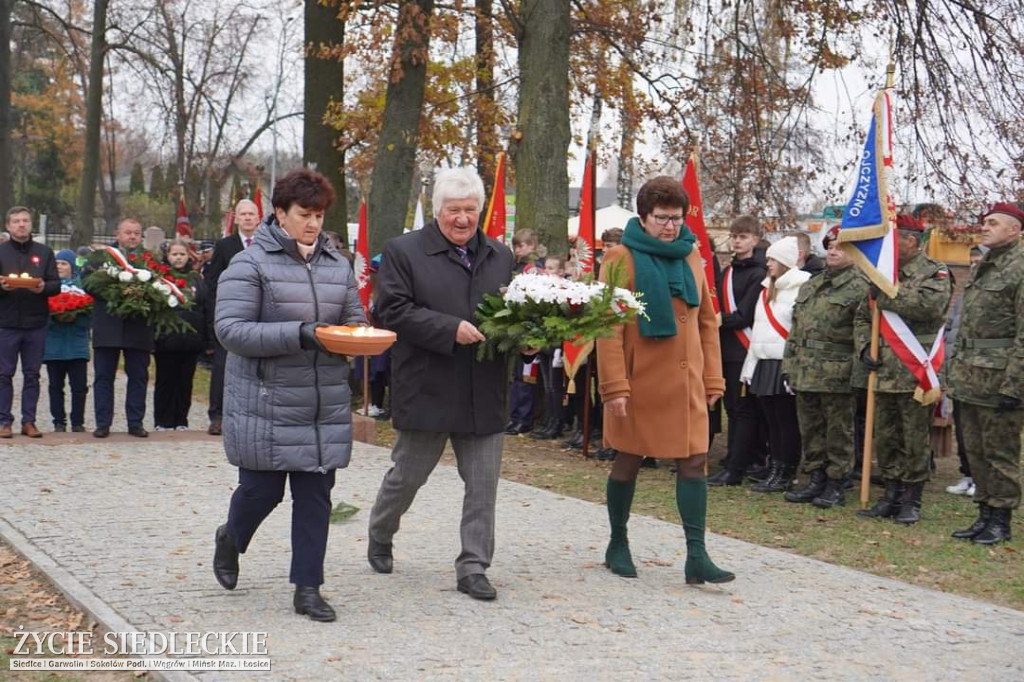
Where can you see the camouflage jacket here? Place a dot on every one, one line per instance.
(924, 293)
(820, 351)
(988, 358)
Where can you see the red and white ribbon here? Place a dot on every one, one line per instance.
(730, 307)
(116, 254)
(779, 328)
(924, 365)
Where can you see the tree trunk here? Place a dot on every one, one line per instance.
(6, 158)
(487, 143)
(542, 181)
(390, 183)
(325, 82)
(86, 210)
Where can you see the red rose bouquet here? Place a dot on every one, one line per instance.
(69, 304)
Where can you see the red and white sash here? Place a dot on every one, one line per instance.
(923, 365)
(123, 263)
(779, 328)
(730, 306)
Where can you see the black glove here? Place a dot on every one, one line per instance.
(1007, 403)
(307, 336)
(865, 359)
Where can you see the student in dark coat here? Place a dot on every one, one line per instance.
(177, 353)
(67, 354)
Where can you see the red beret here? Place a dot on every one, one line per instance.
(1011, 210)
(831, 235)
(905, 221)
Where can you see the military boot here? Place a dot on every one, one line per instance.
(984, 514)
(832, 496)
(617, 557)
(998, 528)
(910, 504)
(815, 486)
(888, 506)
(780, 480)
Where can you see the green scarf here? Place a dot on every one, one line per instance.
(661, 273)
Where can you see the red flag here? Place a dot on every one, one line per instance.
(362, 260)
(695, 221)
(182, 225)
(494, 223)
(257, 198)
(583, 251)
(229, 223)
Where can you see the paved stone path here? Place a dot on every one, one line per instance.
(127, 530)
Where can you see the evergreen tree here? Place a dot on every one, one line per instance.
(137, 184)
(157, 188)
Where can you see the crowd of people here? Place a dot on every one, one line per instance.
(789, 356)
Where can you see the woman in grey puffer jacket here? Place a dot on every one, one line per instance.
(286, 400)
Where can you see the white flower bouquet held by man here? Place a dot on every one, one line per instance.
(138, 286)
(541, 311)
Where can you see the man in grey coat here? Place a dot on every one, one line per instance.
(429, 285)
(287, 407)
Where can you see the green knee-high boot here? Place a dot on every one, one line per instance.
(617, 557)
(692, 501)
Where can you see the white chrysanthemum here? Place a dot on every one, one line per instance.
(143, 275)
(124, 276)
(172, 301)
(162, 288)
(113, 270)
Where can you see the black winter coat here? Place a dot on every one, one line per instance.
(423, 293)
(22, 309)
(747, 275)
(199, 316)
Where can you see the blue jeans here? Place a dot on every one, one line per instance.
(28, 344)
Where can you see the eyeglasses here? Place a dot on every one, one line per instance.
(663, 220)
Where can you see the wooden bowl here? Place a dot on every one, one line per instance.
(24, 282)
(343, 340)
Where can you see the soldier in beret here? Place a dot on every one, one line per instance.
(818, 359)
(901, 423)
(986, 374)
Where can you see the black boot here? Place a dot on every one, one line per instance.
(831, 496)
(308, 602)
(888, 506)
(759, 473)
(225, 559)
(998, 528)
(576, 442)
(780, 480)
(726, 477)
(984, 514)
(910, 504)
(815, 486)
(544, 431)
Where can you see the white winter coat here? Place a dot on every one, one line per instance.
(765, 342)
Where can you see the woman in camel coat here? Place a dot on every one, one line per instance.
(660, 374)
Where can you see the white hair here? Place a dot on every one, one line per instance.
(457, 183)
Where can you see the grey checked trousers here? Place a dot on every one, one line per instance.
(415, 455)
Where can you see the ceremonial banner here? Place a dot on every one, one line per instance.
(867, 232)
(182, 225)
(362, 259)
(494, 223)
(695, 221)
(576, 355)
(257, 198)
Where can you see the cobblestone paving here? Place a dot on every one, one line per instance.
(134, 522)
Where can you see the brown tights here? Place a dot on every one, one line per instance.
(626, 467)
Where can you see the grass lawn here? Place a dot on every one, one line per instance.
(922, 554)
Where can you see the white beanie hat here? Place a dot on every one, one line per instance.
(786, 251)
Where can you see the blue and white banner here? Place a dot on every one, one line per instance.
(867, 232)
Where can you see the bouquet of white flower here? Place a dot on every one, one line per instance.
(136, 286)
(541, 311)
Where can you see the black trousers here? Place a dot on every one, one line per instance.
(220, 361)
(172, 395)
(783, 428)
(136, 366)
(961, 448)
(76, 372)
(553, 379)
(259, 492)
(746, 435)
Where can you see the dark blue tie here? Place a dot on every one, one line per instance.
(464, 257)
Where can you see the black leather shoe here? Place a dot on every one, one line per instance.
(726, 477)
(101, 432)
(77, 428)
(984, 514)
(998, 528)
(477, 586)
(380, 556)
(138, 432)
(606, 454)
(815, 487)
(215, 429)
(225, 559)
(831, 496)
(308, 602)
(60, 427)
(759, 474)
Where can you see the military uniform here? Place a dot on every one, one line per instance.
(818, 359)
(902, 424)
(986, 368)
